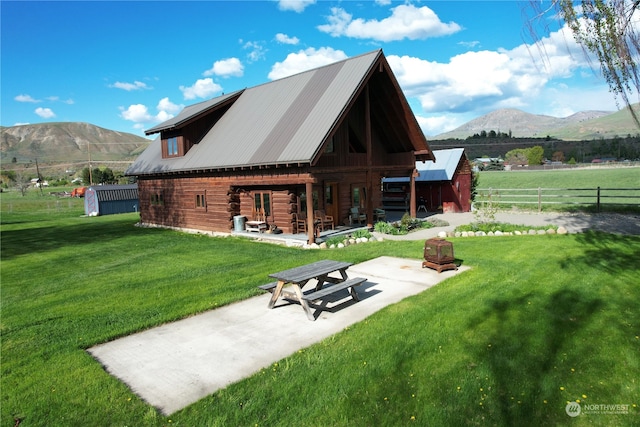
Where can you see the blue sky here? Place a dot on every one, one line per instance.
(127, 66)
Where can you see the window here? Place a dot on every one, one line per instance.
(329, 148)
(262, 204)
(157, 199)
(302, 201)
(201, 201)
(172, 146)
(358, 196)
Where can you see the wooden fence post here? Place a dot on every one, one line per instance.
(598, 201)
(539, 199)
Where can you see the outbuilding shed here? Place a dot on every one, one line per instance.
(441, 186)
(111, 199)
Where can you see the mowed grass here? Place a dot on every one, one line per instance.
(620, 177)
(607, 179)
(537, 321)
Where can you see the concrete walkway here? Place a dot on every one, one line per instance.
(174, 365)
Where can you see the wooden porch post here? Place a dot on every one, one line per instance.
(310, 220)
(367, 133)
(412, 199)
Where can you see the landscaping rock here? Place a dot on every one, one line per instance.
(562, 230)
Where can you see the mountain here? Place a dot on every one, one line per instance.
(68, 142)
(585, 125)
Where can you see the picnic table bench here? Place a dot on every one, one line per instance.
(298, 277)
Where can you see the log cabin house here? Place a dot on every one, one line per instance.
(321, 140)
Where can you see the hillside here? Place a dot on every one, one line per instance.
(585, 125)
(67, 142)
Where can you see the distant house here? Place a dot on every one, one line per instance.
(321, 140)
(111, 199)
(441, 185)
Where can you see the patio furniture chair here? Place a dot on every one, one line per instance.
(300, 220)
(325, 222)
(379, 214)
(259, 216)
(357, 217)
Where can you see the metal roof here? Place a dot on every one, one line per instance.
(442, 169)
(115, 192)
(282, 122)
(192, 111)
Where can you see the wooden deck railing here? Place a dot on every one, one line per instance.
(598, 197)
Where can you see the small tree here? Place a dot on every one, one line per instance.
(535, 155)
(557, 156)
(517, 156)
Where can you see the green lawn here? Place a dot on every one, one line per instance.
(570, 178)
(521, 187)
(537, 322)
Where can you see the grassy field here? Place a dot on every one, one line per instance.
(511, 187)
(562, 178)
(537, 322)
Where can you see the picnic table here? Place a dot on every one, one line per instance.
(320, 271)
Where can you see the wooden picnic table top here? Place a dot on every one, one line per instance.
(310, 271)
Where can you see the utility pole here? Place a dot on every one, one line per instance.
(40, 180)
(90, 172)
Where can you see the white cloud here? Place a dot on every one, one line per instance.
(57, 99)
(405, 22)
(383, 2)
(226, 68)
(294, 5)
(138, 113)
(26, 98)
(528, 77)
(202, 88)
(164, 105)
(256, 50)
(136, 85)
(45, 113)
(305, 60)
(486, 80)
(285, 39)
(438, 124)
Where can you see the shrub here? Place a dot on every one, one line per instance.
(361, 233)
